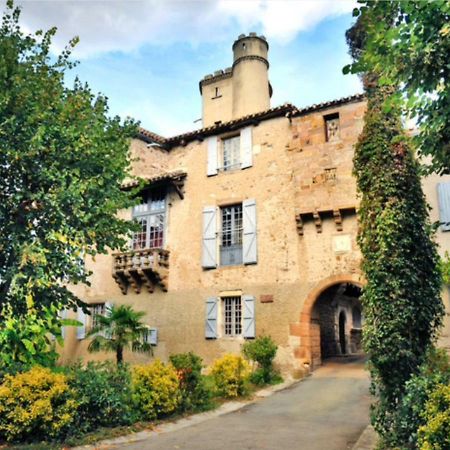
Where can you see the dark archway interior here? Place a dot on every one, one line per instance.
(336, 322)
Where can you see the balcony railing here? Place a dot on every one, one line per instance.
(137, 268)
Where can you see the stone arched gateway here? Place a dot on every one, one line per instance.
(306, 330)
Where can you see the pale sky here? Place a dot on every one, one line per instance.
(147, 56)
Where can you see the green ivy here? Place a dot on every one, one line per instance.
(401, 301)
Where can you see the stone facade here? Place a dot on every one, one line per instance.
(298, 198)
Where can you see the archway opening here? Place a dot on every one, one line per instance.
(336, 323)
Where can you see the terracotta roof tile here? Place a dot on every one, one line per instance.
(183, 139)
(174, 175)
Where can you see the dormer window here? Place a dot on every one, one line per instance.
(332, 127)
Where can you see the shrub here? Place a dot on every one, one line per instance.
(103, 394)
(155, 389)
(433, 373)
(37, 404)
(262, 350)
(435, 434)
(230, 375)
(194, 393)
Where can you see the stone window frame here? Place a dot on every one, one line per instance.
(329, 119)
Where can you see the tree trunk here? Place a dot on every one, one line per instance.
(119, 355)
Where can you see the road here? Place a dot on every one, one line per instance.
(327, 411)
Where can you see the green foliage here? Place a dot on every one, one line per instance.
(407, 43)
(121, 328)
(103, 393)
(37, 404)
(62, 163)
(230, 374)
(262, 350)
(435, 434)
(27, 340)
(156, 390)
(401, 301)
(434, 372)
(195, 395)
(445, 268)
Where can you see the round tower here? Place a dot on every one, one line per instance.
(251, 87)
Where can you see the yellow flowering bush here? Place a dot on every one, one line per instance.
(230, 374)
(435, 434)
(37, 404)
(156, 389)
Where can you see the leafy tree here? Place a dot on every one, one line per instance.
(62, 162)
(407, 44)
(401, 301)
(119, 329)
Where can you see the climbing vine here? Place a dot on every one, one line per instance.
(401, 301)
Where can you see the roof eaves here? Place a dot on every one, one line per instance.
(254, 118)
(329, 104)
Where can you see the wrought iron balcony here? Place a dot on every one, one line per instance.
(137, 268)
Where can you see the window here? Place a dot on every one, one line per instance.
(97, 309)
(227, 153)
(232, 319)
(151, 216)
(230, 315)
(231, 235)
(150, 336)
(332, 128)
(231, 153)
(89, 321)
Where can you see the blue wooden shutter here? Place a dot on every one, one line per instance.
(249, 239)
(246, 148)
(212, 164)
(209, 240)
(212, 306)
(81, 330)
(444, 205)
(248, 317)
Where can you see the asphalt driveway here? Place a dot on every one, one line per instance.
(327, 411)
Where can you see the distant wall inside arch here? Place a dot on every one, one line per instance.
(308, 353)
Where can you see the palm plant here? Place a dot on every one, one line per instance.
(121, 328)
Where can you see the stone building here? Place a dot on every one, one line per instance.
(248, 227)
